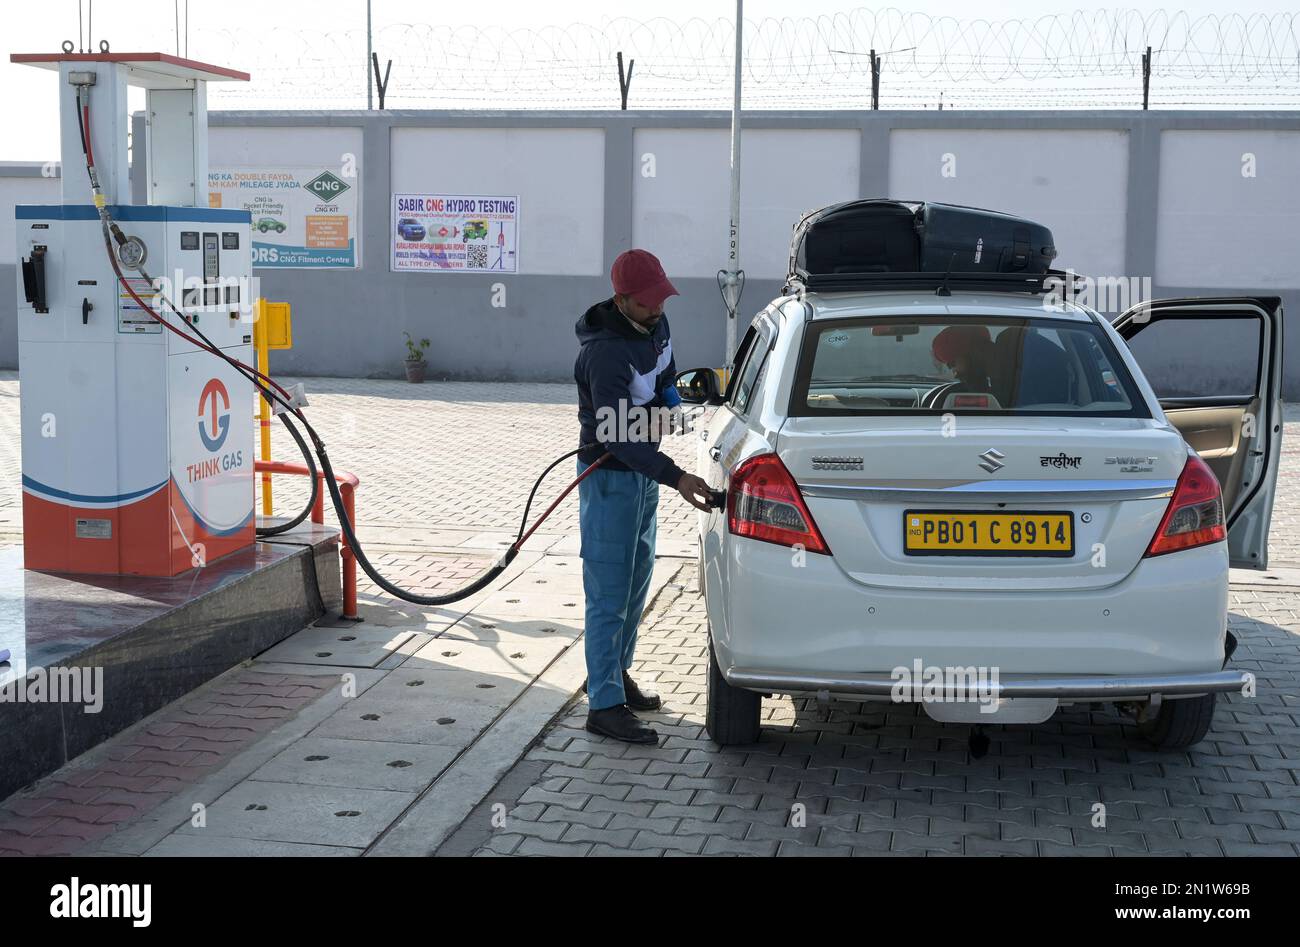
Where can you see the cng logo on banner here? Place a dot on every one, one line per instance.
(326, 186)
(213, 391)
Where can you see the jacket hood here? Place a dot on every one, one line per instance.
(604, 321)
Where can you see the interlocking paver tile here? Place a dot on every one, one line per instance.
(880, 778)
(874, 778)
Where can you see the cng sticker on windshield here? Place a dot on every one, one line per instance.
(837, 340)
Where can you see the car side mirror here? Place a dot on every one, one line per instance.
(698, 386)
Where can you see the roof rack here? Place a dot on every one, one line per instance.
(803, 281)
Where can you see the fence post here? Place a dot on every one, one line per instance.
(875, 81)
(1146, 78)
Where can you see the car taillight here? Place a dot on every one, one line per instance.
(1195, 514)
(763, 502)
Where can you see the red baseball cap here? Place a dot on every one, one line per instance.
(639, 274)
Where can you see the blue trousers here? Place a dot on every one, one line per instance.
(617, 510)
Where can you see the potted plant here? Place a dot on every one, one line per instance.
(415, 363)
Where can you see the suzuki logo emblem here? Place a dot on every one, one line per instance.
(213, 391)
(991, 460)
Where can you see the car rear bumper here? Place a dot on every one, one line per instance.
(1063, 688)
(1166, 621)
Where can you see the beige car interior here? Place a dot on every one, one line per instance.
(1216, 434)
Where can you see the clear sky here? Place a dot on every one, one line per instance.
(28, 96)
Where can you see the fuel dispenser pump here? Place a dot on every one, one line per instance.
(137, 439)
(137, 446)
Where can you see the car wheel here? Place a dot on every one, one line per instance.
(1179, 723)
(732, 715)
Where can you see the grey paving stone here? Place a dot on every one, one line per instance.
(711, 829)
(981, 847)
(640, 823)
(601, 804)
(601, 850)
(615, 838)
(504, 844)
(571, 800)
(595, 820)
(681, 843)
(1164, 845)
(552, 849)
(649, 794)
(754, 816)
(672, 810)
(1239, 849)
(717, 845)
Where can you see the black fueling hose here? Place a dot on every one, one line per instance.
(273, 392)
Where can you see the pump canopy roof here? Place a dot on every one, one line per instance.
(146, 70)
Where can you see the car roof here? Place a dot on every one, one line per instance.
(846, 304)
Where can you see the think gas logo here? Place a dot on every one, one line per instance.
(213, 392)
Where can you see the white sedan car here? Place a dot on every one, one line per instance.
(978, 502)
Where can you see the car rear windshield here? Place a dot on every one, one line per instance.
(962, 365)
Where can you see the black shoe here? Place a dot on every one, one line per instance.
(636, 698)
(621, 724)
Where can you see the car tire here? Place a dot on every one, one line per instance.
(1179, 723)
(732, 715)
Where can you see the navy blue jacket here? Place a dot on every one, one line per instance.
(618, 363)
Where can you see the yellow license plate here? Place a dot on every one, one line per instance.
(960, 533)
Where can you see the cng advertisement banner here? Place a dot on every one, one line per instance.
(304, 218)
(455, 233)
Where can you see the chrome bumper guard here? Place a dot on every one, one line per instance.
(1095, 687)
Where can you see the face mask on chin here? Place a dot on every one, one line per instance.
(643, 330)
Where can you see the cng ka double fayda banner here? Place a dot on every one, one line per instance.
(304, 217)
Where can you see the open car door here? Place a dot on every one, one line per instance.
(1216, 366)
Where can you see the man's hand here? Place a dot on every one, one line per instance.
(695, 491)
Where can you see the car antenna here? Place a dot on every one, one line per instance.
(943, 289)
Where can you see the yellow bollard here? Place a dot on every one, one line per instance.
(262, 364)
(272, 329)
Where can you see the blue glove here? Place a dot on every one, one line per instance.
(670, 396)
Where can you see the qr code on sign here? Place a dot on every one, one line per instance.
(476, 257)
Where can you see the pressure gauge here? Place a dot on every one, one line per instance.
(132, 253)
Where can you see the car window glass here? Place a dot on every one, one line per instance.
(749, 374)
(737, 361)
(1194, 357)
(994, 364)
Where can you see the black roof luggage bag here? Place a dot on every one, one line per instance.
(873, 237)
(981, 241)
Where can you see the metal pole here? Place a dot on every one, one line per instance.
(875, 81)
(370, 82)
(1146, 79)
(731, 293)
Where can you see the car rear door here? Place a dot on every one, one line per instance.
(1215, 364)
(729, 438)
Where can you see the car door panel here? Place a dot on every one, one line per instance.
(1238, 432)
(729, 439)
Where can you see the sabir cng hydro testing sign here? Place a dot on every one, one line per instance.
(455, 233)
(303, 217)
